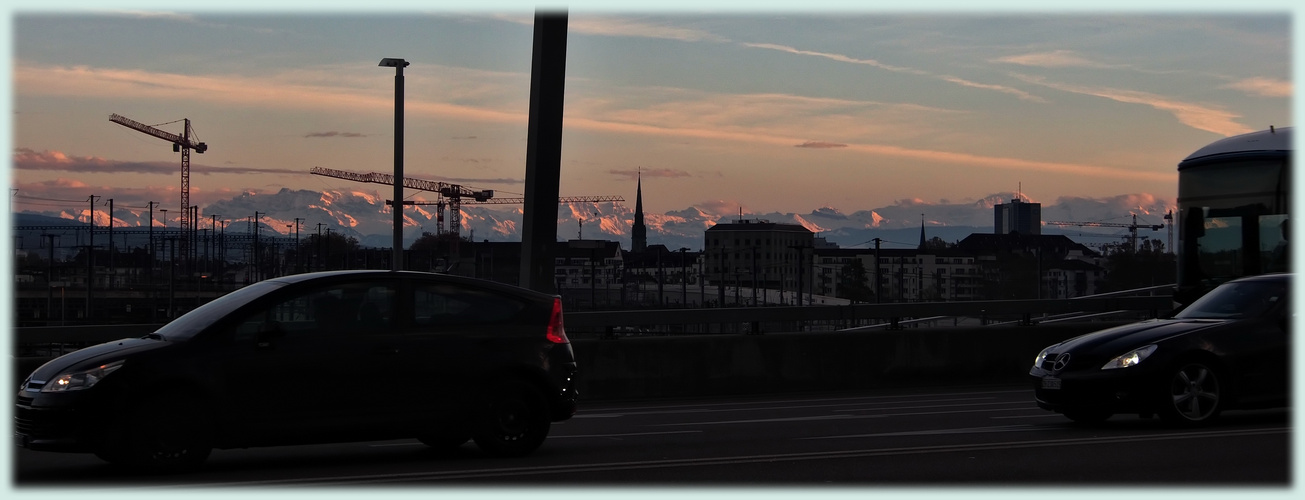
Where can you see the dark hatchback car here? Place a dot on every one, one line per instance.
(1230, 349)
(314, 358)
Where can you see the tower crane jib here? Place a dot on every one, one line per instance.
(453, 193)
(180, 143)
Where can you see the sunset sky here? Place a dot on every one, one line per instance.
(768, 110)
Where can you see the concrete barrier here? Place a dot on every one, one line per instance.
(718, 365)
(721, 365)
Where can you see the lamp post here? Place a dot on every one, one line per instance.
(396, 261)
(298, 247)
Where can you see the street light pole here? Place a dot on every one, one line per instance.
(396, 261)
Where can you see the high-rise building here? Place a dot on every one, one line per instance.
(1017, 217)
(759, 254)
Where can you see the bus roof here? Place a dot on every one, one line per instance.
(1264, 141)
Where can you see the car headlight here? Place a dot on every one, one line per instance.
(85, 379)
(1131, 358)
(1042, 356)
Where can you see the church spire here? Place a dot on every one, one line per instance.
(638, 233)
(922, 240)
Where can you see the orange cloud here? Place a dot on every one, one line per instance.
(1197, 116)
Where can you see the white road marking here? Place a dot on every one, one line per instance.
(623, 435)
(734, 460)
(938, 432)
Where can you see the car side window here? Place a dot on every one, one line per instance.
(349, 309)
(446, 304)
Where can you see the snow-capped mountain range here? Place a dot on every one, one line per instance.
(362, 214)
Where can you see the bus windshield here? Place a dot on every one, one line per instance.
(1233, 216)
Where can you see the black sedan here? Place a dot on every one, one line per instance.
(314, 358)
(1227, 350)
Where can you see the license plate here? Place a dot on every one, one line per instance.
(1050, 383)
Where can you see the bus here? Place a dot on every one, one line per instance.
(1234, 198)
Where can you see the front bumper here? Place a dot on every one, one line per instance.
(65, 426)
(1129, 390)
(69, 422)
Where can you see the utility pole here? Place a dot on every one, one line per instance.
(113, 270)
(257, 258)
(702, 279)
(49, 279)
(801, 262)
(318, 254)
(298, 247)
(194, 238)
(878, 289)
(165, 235)
(211, 248)
(90, 257)
(684, 280)
(151, 238)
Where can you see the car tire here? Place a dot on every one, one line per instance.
(1193, 394)
(1088, 417)
(513, 421)
(159, 436)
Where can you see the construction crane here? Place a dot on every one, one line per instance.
(1132, 228)
(454, 194)
(439, 213)
(180, 143)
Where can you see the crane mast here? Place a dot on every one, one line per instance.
(183, 144)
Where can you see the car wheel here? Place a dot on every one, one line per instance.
(1193, 394)
(159, 436)
(513, 421)
(1088, 416)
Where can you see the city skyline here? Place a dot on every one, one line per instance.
(758, 112)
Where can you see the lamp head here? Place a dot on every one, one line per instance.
(393, 62)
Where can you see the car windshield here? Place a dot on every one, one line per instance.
(1247, 299)
(193, 322)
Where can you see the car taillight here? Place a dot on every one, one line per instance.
(557, 334)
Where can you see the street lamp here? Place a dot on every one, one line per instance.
(398, 65)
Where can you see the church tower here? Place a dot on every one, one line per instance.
(638, 233)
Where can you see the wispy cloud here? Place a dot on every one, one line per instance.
(999, 88)
(898, 69)
(610, 26)
(27, 159)
(1264, 87)
(623, 27)
(1012, 163)
(830, 119)
(283, 91)
(649, 172)
(1198, 116)
(154, 14)
(763, 119)
(335, 134)
(820, 145)
(834, 57)
(1053, 59)
(45, 195)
